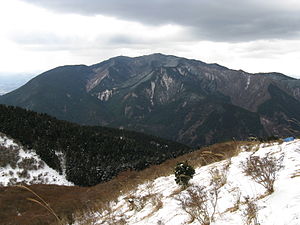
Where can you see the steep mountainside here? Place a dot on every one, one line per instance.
(21, 165)
(87, 155)
(175, 98)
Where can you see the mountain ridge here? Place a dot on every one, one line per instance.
(169, 96)
(87, 155)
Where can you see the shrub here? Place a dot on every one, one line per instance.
(9, 156)
(23, 174)
(28, 164)
(138, 201)
(183, 173)
(200, 204)
(218, 177)
(262, 170)
(250, 212)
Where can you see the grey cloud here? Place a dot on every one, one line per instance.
(40, 41)
(123, 39)
(217, 20)
(45, 41)
(38, 38)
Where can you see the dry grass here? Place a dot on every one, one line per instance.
(237, 195)
(40, 201)
(15, 209)
(70, 201)
(296, 174)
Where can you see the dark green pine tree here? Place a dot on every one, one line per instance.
(183, 173)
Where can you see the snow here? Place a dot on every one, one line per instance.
(248, 82)
(278, 208)
(6, 142)
(210, 76)
(167, 81)
(105, 95)
(152, 92)
(25, 167)
(182, 71)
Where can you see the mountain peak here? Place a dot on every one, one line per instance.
(173, 97)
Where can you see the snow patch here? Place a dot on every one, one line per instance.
(105, 95)
(278, 208)
(182, 71)
(248, 82)
(210, 76)
(167, 81)
(20, 165)
(152, 92)
(100, 75)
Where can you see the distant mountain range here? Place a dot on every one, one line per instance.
(10, 82)
(175, 98)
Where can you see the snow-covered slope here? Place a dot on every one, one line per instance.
(20, 165)
(235, 197)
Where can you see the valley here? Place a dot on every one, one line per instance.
(98, 144)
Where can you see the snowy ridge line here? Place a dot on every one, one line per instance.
(22, 166)
(157, 201)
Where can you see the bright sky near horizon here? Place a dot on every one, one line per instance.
(252, 35)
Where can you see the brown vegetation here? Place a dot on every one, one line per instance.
(250, 212)
(201, 203)
(9, 156)
(263, 170)
(15, 209)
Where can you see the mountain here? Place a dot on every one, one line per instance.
(86, 155)
(21, 165)
(219, 193)
(185, 100)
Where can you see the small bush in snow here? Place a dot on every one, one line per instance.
(218, 177)
(9, 156)
(262, 170)
(41, 165)
(23, 174)
(28, 164)
(138, 202)
(200, 204)
(183, 173)
(250, 212)
(12, 181)
(160, 222)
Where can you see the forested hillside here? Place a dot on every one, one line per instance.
(88, 155)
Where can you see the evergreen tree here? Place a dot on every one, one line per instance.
(183, 173)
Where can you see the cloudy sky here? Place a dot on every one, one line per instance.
(252, 35)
